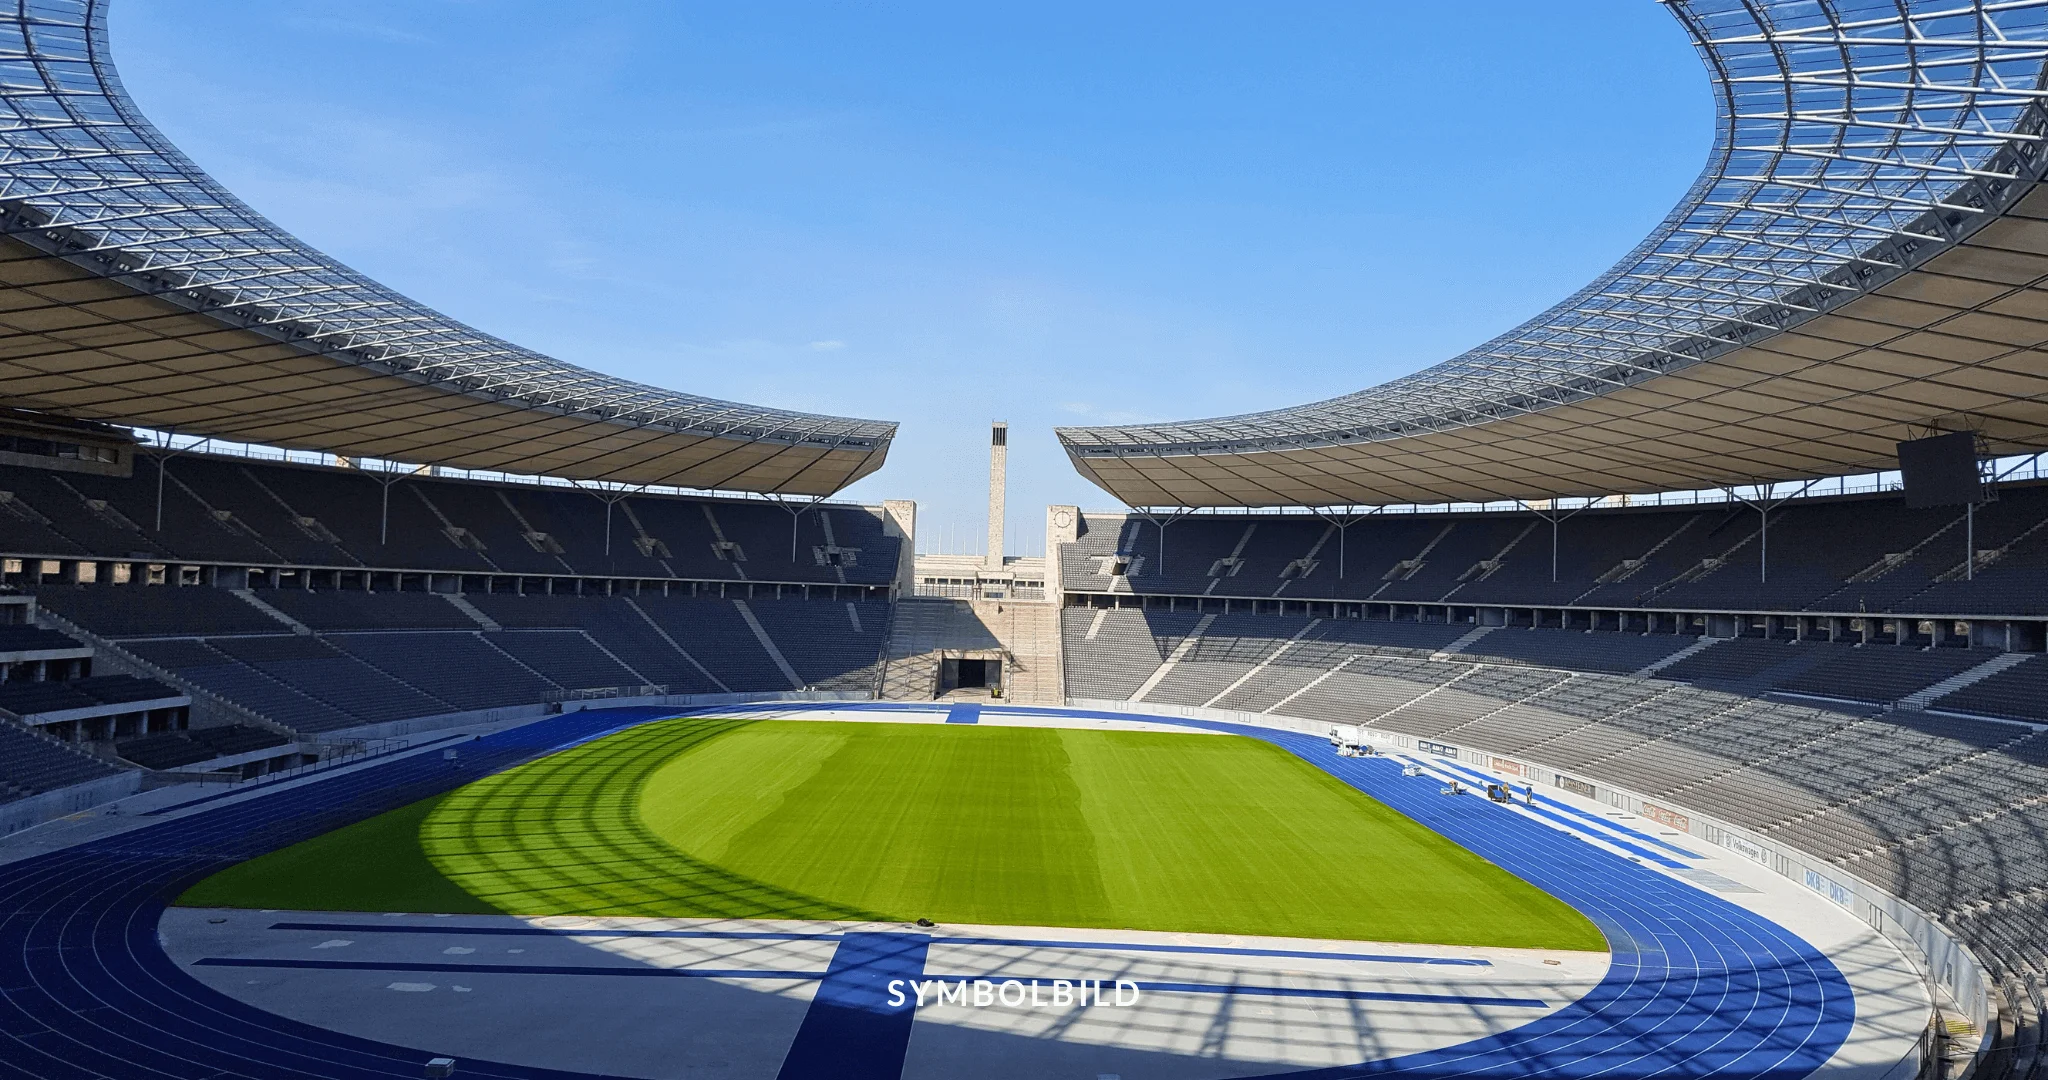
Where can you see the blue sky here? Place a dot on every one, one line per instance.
(944, 214)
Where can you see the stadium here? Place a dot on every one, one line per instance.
(381, 698)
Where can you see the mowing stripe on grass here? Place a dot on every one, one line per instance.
(878, 822)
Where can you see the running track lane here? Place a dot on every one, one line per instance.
(1697, 987)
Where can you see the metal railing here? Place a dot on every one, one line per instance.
(599, 693)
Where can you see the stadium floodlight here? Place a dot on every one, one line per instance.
(1855, 143)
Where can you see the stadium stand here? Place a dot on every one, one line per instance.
(615, 624)
(21, 638)
(31, 764)
(2019, 693)
(1619, 654)
(24, 698)
(245, 513)
(299, 594)
(175, 749)
(375, 657)
(214, 671)
(367, 611)
(826, 653)
(313, 668)
(136, 613)
(1843, 555)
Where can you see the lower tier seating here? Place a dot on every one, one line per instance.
(175, 749)
(31, 764)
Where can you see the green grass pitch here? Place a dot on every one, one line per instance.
(889, 822)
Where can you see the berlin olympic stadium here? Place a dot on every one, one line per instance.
(380, 698)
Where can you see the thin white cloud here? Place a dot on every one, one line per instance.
(827, 346)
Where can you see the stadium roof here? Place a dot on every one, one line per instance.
(135, 289)
(1864, 259)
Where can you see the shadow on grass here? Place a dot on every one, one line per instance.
(558, 836)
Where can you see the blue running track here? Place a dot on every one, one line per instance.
(1697, 987)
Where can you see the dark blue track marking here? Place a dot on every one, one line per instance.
(1697, 986)
(964, 714)
(855, 1029)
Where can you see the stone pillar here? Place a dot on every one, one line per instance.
(899, 519)
(998, 476)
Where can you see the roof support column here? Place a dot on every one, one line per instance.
(388, 477)
(1763, 502)
(610, 498)
(797, 508)
(1556, 515)
(163, 461)
(1343, 520)
(1162, 516)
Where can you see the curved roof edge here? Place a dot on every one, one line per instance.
(88, 181)
(1852, 148)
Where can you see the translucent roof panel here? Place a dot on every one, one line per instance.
(85, 176)
(1854, 141)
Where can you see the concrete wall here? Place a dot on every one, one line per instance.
(51, 805)
(442, 722)
(899, 519)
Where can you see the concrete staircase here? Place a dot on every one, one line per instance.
(925, 631)
(1030, 634)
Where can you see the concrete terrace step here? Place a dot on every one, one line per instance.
(1689, 651)
(1186, 646)
(1920, 699)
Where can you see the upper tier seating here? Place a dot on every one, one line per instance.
(25, 698)
(1619, 654)
(256, 513)
(1842, 555)
(138, 612)
(21, 638)
(350, 610)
